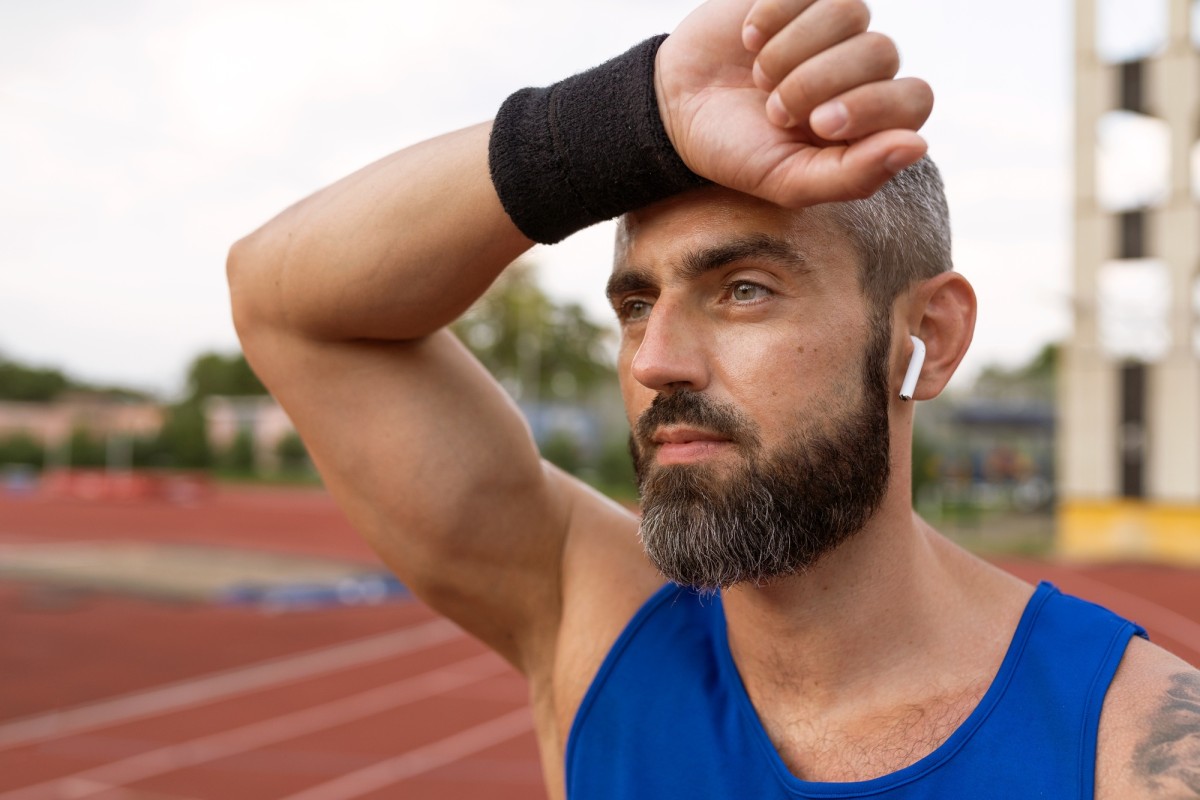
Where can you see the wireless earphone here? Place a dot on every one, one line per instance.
(914, 370)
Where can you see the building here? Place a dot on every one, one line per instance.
(100, 415)
(256, 416)
(1129, 442)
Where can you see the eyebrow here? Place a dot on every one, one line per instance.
(695, 263)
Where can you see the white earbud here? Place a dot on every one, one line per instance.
(914, 370)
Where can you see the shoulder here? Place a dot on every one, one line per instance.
(1149, 740)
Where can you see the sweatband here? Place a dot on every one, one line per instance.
(585, 149)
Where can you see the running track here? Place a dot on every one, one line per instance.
(112, 697)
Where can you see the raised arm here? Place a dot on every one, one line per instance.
(341, 300)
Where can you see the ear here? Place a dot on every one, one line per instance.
(941, 313)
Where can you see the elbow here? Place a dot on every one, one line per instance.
(246, 276)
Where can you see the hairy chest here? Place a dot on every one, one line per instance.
(869, 743)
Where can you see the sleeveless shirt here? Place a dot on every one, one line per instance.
(667, 715)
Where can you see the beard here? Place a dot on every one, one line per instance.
(777, 513)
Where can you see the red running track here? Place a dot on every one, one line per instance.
(112, 696)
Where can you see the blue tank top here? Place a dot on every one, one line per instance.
(667, 715)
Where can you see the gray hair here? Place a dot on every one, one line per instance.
(902, 232)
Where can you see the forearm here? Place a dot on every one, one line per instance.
(392, 252)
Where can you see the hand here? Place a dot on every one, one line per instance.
(816, 117)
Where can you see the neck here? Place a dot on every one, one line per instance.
(893, 602)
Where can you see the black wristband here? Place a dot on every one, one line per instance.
(586, 149)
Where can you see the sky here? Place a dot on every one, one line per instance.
(139, 139)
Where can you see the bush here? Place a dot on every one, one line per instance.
(614, 468)
(184, 437)
(561, 449)
(87, 449)
(21, 448)
(240, 456)
(293, 455)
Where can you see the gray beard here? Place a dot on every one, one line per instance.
(777, 513)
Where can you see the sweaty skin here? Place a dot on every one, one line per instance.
(341, 304)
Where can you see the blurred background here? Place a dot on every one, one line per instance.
(185, 614)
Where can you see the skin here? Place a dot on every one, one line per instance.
(341, 304)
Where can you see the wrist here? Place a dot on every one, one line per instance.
(586, 149)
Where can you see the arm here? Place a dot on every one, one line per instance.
(1149, 739)
(341, 303)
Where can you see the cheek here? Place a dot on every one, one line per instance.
(782, 372)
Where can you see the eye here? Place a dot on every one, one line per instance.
(744, 291)
(633, 309)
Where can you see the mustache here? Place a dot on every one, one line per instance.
(695, 409)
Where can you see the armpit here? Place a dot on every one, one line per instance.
(1168, 758)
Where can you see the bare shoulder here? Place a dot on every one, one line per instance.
(1149, 741)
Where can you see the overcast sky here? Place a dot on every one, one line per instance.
(139, 139)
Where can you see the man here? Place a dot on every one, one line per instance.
(766, 330)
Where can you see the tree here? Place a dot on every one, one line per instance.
(215, 374)
(240, 455)
(293, 455)
(532, 345)
(86, 449)
(184, 436)
(41, 385)
(29, 384)
(21, 448)
(561, 449)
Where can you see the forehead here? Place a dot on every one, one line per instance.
(709, 217)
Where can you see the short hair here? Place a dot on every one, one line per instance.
(902, 232)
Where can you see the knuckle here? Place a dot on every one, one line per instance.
(882, 50)
(854, 14)
(769, 16)
(770, 62)
(797, 93)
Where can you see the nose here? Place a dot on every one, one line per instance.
(670, 355)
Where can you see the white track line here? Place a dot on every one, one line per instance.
(1170, 623)
(221, 685)
(422, 760)
(265, 732)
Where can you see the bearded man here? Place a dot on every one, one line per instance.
(815, 638)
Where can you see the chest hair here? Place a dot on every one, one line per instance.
(874, 744)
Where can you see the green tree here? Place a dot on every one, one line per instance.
(21, 448)
(215, 374)
(293, 455)
(87, 449)
(240, 456)
(41, 385)
(30, 384)
(614, 468)
(184, 438)
(562, 450)
(1034, 381)
(532, 345)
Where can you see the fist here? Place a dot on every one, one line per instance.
(793, 101)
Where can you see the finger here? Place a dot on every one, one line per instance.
(825, 24)
(880, 106)
(767, 18)
(867, 58)
(845, 172)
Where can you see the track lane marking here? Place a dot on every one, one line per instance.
(263, 733)
(225, 684)
(422, 759)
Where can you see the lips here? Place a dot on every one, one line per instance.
(680, 445)
(683, 435)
